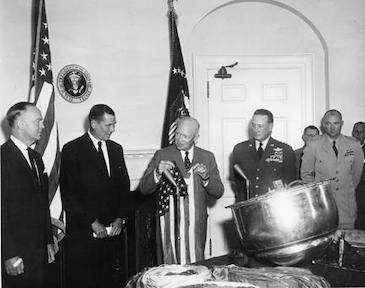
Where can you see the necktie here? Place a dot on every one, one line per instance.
(101, 155)
(335, 148)
(260, 151)
(32, 162)
(187, 162)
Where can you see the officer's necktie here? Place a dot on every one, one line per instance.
(300, 164)
(260, 151)
(33, 163)
(187, 162)
(335, 148)
(101, 155)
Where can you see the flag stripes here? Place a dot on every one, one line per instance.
(178, 228)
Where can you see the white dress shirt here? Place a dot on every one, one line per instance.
(22, 147)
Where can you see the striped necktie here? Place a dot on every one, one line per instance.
(187, 162)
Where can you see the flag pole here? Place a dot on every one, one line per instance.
(172, 23)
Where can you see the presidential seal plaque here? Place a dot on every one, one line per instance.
(74, 83)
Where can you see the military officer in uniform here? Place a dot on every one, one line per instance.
(309, 133)
(264, 161)
(339, 158)
(358, 131)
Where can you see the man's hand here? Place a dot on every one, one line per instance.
(163, 166)
(99, 229)
(14, 266)
(201, 170)
(52, 250)
(117, 226)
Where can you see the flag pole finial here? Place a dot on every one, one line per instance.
(171, 6)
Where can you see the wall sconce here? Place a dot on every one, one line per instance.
(222, 72)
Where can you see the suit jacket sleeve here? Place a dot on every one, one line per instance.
(307, 170)
(148, 184)
(10, 195)
(358, 164)
(215, 186)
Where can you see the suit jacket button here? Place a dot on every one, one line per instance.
(257, 186)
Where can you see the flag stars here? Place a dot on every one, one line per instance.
(44, 55)
(49, 67)
(42, 72)
(45, 25)
(179, 71)
(45, 40)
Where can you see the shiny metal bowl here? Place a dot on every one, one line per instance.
(290, 225)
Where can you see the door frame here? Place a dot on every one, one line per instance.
(206, 65)
(203, 64)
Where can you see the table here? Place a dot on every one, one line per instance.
(337, 277)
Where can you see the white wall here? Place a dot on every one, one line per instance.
(124, 46)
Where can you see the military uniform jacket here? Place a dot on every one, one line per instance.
(319, 162)
(277, 163)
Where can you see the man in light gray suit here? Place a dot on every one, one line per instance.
(183, 224)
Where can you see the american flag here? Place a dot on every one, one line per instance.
(166, 189)
(178, 94)
(176, 213)
(42, 93)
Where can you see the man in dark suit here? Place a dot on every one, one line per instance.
(183, 216)
(26, 233)
(265, 162)
(94, 183)
(358, 132)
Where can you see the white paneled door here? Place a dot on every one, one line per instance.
(282, 84)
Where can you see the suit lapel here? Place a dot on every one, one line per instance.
(179, 161)
(21, 159)
(197, 156)
(328, 146)
(113, 157)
